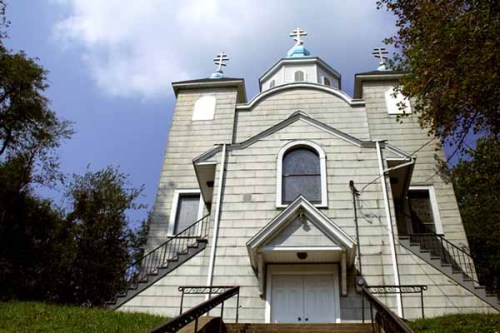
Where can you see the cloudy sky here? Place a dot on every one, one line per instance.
(111, 62)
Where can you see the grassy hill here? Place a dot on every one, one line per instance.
(460, 323)
(24, 317)
(34, 317)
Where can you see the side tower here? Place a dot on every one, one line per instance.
(203, 117)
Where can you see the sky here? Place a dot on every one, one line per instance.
(111, 63)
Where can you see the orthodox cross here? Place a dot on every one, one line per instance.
(297, 33)
(381, 53)
(220, 60)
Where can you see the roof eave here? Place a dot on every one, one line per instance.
(372, 77)
(237, 83)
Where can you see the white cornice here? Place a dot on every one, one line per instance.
(298, 85)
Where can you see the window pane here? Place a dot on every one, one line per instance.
(301, 162)
(187, 211)
(299, 76)
(421, 211)
(308, 186)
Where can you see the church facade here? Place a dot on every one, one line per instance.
(294, 194)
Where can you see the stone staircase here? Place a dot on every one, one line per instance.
(169, 255)
(443, 261)
(299, 328)
(150, 278)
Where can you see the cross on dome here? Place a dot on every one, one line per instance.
(297, 33)
(380, 53)
(220, 60)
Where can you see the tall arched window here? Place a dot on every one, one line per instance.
(301, 171)
(301, 175)
(299, 76)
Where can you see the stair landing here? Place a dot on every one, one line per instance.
(298, 328)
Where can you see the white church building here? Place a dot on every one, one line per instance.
(296, 193)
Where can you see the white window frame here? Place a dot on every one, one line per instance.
(279, 171)
(313, 269)
(434, 206)
(175, 204)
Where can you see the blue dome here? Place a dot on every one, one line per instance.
(297, 51)
(217, 75)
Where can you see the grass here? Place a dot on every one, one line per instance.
(21, 317)
(459, 323)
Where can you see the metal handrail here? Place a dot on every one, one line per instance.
(159, 257)
(194, 313)
(437, 245)
(385, 319)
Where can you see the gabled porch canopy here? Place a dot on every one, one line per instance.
(301, 234)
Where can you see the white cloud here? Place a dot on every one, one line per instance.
(136, 48)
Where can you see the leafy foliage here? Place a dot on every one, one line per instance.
(99, 204)
(45, 253)
(34, 240)
(449, 52)
(476, 183)
(28, 127)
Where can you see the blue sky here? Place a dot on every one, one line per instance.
(111, 63)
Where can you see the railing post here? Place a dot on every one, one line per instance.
(182, 301)
(196, 325)
(400, 294)
(371, 316)
(237, 305)
(422, 302)
(221, 310)
(363, 309)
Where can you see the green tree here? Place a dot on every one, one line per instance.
(32, 233)
(449, 51)
(34, 239)
(476, 181)
(106, 245)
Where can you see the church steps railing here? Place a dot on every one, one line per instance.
(384, 319)
(450, 254)
(192, 315)
(159, 257)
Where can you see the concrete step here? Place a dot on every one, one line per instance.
(298, 328)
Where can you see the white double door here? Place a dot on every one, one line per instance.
(303, 299)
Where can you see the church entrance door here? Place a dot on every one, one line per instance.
(303, 299)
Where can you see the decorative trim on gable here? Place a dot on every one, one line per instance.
(320, 221)
(296, 85)
(294, 117)
(342, 249)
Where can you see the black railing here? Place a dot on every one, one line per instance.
(382, 318)
(400, 290)
(196, 312)
(159, 257)
(450, 254)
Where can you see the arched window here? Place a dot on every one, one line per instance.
(301, 171)
(326, 81)
(272, 84)
(299, 76)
